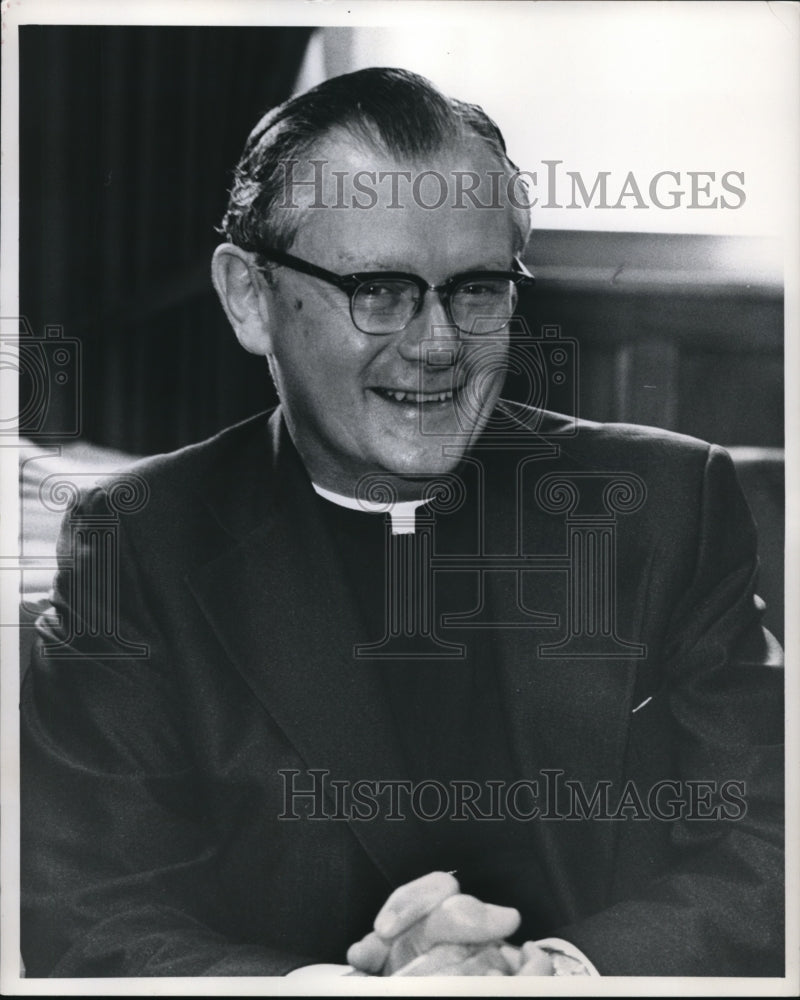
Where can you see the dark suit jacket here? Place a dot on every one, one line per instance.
(151, 840)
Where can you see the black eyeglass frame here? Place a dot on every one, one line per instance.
(350, 283)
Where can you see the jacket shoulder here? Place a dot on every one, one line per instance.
(181, 494)
(591, 441)
(185, 468)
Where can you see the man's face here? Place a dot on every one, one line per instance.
(342, 389)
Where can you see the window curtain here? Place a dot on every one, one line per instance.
(128, 137)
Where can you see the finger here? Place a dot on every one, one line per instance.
(457, 920)
(535, 962)
(433, 962)
(369, 953)
(413, 901)
(488, 961)
(512, 956)
(466, 920)
(409, 945)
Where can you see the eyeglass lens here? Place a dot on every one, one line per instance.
(387, 306)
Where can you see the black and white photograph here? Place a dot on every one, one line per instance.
(394, 437)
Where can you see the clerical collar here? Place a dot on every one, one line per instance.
(403, 512)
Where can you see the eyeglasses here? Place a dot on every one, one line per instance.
(384, 302)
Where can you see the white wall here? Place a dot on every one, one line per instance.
(620, 87)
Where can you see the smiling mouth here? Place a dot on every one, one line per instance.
(417, 398)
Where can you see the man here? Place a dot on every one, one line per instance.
(399, 589)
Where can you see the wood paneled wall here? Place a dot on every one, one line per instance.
(682, 332)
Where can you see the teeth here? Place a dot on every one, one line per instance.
(418, 397)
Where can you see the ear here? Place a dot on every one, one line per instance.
(244, 297)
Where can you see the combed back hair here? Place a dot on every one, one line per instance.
(392, 110)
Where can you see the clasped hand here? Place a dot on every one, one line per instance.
(429, 928)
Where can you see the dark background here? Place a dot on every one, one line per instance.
(128, 138)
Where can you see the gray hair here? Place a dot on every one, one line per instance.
(393, 109)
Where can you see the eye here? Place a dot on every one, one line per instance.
(492, 288)
(385, 293)
(377, 290)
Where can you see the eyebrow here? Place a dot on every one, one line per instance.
(370, 264)
(376, 264)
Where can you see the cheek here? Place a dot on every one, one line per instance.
(486, 365)
(321, 358)
(326, 371)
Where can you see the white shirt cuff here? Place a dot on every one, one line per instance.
(561, 947)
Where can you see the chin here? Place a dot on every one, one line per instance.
(427, 463)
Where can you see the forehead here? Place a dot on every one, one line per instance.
(365, 208)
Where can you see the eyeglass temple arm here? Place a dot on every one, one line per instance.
(348, 282)
(305, 267)
(521, 269)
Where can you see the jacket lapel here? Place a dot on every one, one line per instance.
(275, 600)
(568, 718)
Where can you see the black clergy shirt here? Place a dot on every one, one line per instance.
(447, 712)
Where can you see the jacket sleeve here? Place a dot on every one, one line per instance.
(117, 854)
(718, 909)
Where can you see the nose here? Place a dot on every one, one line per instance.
(430, 337)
